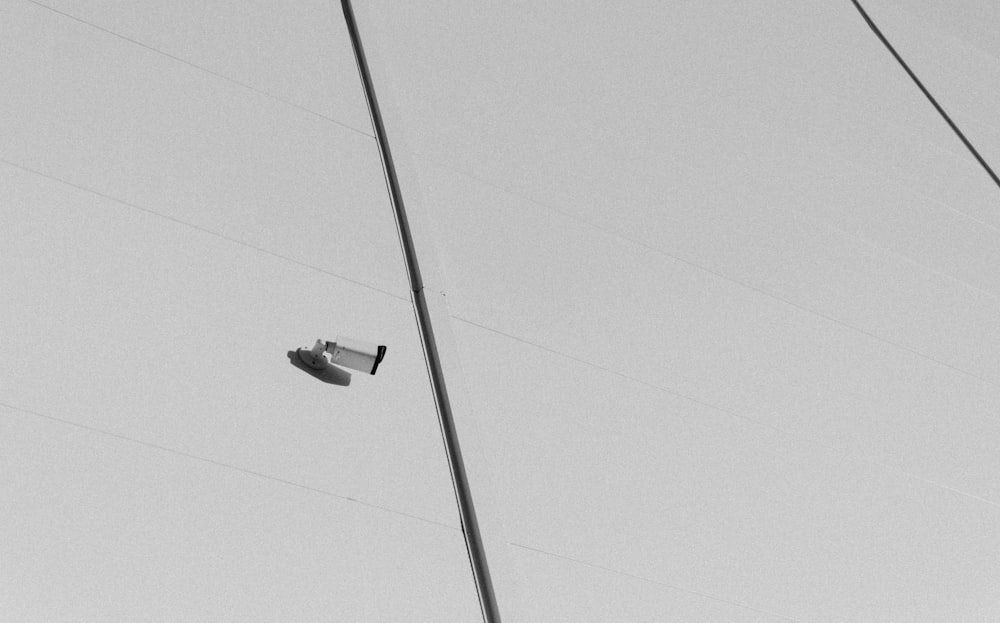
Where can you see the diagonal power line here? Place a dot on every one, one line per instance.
(927, 94)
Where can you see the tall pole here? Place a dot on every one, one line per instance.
(460, 481)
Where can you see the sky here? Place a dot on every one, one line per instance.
(715, 287)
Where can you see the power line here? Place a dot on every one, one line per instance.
(927, 94)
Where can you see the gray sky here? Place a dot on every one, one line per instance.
(716, 289)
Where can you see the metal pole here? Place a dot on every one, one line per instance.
(460, 481)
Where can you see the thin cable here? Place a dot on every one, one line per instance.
(927, 94)
(204, 69)
(733, 414)
(228, 466)
(643, 578)
(203, 230)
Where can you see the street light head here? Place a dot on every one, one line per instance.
(346, 352)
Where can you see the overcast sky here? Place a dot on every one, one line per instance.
(716, 289)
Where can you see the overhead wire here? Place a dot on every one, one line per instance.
(216, 463)
(206, 70)
(203, 230)
(944, 115)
